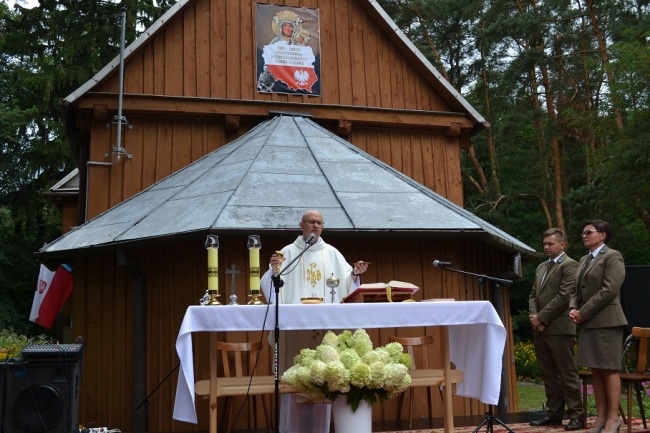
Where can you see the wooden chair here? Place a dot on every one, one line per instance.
(630, 379)
(585, 377)
(641, 374)
(409, 343)
(238, 360)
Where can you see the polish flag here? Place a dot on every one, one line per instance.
(52, 290)
(291, 64)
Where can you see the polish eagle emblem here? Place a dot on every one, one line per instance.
(301, 77)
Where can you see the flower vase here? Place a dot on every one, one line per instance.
(346, 421)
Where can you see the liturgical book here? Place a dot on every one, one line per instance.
(392, 291)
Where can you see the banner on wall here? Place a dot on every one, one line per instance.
(288, 50)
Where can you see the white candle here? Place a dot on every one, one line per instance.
(213, 269)
(254, 258)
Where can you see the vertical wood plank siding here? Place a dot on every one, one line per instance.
(209, 52)
(157, 147)
(103, 301)
(429, 158)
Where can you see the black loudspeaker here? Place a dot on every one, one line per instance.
(40, 397)
(635, 295)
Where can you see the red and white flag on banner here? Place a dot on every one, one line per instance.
(291, 64)
(52, 290)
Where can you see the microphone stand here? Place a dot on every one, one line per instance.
(490, 418)
(146, 402)
(277, 283)
(481, 278)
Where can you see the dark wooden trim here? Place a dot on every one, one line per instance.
(231, 123)
(204, 107)
(344, 128)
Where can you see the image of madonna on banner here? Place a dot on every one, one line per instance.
(288, 50)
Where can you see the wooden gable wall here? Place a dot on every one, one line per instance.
(156, 147)
(191, 88)
(208, 51)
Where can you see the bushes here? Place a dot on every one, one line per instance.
(11, 344)
(526, 362)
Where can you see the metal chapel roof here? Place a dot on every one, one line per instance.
(266, 179)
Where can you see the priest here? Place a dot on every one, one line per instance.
(306, 278)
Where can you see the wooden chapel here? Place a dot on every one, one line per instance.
(196, 82)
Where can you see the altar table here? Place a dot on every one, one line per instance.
(474, 339)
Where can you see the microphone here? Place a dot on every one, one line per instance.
(310, 239)
(440, 264)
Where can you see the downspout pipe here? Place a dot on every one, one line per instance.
(139, 371)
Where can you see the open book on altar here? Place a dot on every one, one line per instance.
(392, 291)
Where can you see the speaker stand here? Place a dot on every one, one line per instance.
(489, 421)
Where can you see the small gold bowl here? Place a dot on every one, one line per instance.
(313, 300)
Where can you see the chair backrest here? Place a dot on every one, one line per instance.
(232, 355)
(642, 334)
(409, 343)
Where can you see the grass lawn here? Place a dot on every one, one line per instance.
(532, 399)
(531, 396)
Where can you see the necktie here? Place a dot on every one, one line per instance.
(584, 268)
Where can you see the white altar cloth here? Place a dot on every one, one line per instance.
(476, 336)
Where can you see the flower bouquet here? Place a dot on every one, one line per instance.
(348, 364)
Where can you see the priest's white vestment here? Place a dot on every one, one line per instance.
(306, 278)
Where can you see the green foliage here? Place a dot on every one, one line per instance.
(569, 136)
(46, 53)
(11, 344)
(519, 293)
(526, 362)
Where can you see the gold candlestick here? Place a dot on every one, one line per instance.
(212, 245)
(254, 245)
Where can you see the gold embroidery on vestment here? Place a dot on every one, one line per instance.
(313, 275)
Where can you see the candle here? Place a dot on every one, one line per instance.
(212, 245)
(213, 269)
(254, 244)
(254, 256)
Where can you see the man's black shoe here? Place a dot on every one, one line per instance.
(574, 424)
(545, 421)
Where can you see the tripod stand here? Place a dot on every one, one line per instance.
(489, 421)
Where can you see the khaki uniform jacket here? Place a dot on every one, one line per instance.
(549, 299)
(597, 293)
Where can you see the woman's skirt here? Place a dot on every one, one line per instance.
(600, 347)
